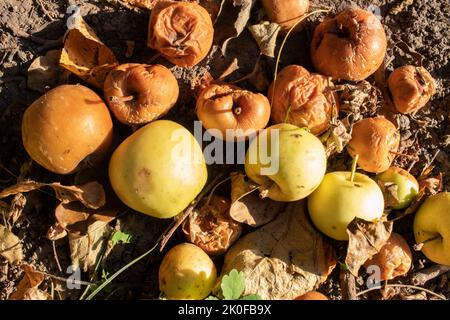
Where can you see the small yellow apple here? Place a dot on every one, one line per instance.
(407, 185)
(287, 162)
(338, 200)
(432, 228)
(159, 169)
(187, 273)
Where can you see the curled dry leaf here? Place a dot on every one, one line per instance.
(85, 55)
(265, 34)
(91, 194)
(13, 212)
(390, 193)
(283, 259)
(246, 205)
(45, 73)
(87, 230)
(211, 227)
(336, 138)
(10, 246)
(27, 288)
(232, 10)
(365, 240)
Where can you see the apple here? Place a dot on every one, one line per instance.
(312, 295)
(407, 185)
(339, 199)
(432, 228)
(159, 169)
(186, 273)
(287, 162)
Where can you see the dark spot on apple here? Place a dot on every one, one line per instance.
(358, 185)
(333, 227)
(144, 172)
(66, 151)
(296, 135)
(301, 187)
(163, 281)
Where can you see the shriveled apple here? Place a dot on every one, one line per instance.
(186, 273)
(286, 12)
(159, 169)
(66, 129)
(286, 161)
(312, 295)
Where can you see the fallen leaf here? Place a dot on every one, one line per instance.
(265, 33)
(283, 259)
(232, 10)
(336, 138)
(12, 213)
(365, 240)
(10, 246)
(85, 55)
(27, 289)
(56, 232)
(143, 4)
(390, 193)
(45, 73)
(246, 205)
(91, 194)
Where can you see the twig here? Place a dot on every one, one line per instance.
(55, 254)
(402, 286)
(187, 212)
(45, 11)
(423, 276)
(214, 189)
(348, 286)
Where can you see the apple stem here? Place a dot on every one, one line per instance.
(419, 246)
(354, 163)
(288, 111)
(121, 99)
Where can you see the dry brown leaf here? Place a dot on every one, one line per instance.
(283, 259)
(365, 240)
(265, 33)
(247, 207)
(85, 250)
(390, 193)
(13, 212)
(56, 232)
(91, 194)
(27, 289)
(237, 11)
(45, 73)
(85, 55)
(10, 246)
(336, 138)
(211, 227)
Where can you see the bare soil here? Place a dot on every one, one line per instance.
(30, 28)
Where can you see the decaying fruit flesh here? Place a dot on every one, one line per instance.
(394, 258)
(411, 88)
(139, 93)
(303, 99)
(181, 31)
(186, 273)
(235, 113)
(375, 141)
(350, 46)
(66, 129)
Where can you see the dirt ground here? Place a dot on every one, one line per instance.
(30, 28)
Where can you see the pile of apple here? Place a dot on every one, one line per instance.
(160, 168)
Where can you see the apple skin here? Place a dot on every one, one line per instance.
(302, 163)
(158, 170)
(431, 220)
(337, 201)
(407, 185)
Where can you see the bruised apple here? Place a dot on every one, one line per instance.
(186, 273)
(158, 170)
(139, 93)
(232, 113)
(286, 161)
(181, 31)
(350, 46)
(66, 129)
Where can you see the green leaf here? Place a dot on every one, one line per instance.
(251, 297)
(233, 285)
(120, 237)
(212, 298)
(343, 266)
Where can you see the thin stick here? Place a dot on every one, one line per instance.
(402, 286)
(354, 163)
(214, 189)
(44, 10)
(419, 246)
(55, 254)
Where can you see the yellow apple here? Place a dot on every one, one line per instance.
(287, 162)
(432, 227)
(186, 273)
(159, 169)
(338, 200)
(407, 185)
